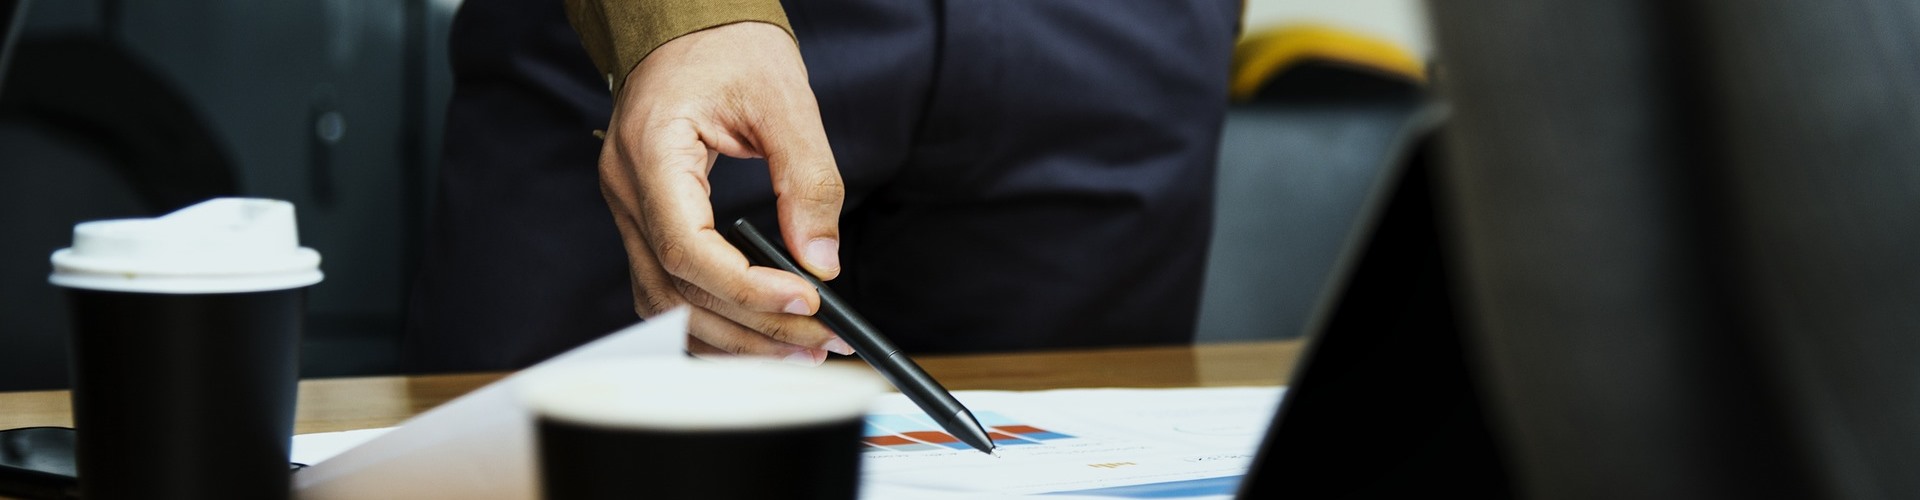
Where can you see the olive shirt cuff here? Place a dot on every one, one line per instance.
(620, 33)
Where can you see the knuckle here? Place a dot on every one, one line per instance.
(718, 333)
(612, 155)
(736, 348)
(678, 118)
(650, 303)
(667, 124)
(649, 295)
(731, 295)
(740, 293)
(674, 257)
(826, 186)
(692, 293)
(740, 100)
(615, 201)
(775, 329)
(712, 340)
(650, 298)
(820, 187)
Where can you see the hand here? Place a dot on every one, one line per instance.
(738, 90)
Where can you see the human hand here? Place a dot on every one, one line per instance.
(738, 90)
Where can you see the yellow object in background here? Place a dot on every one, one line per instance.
(1263, 54)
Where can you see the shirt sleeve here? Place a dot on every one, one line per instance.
(619, 33)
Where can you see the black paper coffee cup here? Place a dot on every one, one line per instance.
(678, 429)
(185, 346)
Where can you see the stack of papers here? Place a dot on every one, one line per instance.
(1077, 443)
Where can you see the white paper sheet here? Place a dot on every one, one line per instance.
(478, 446)
(319, 446)
(1081, 443)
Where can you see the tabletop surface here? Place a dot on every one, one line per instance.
(365, 402)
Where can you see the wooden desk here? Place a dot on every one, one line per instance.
(359, 403)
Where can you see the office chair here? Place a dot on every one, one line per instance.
(1315, 115)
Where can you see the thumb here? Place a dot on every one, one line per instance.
(807, 188)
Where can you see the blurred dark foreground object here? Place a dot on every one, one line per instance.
(38, 462)
(1676, 247)
(1689, 242)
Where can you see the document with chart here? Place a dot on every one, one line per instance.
(1060, 444)
(1081, 443)
(1107, 443)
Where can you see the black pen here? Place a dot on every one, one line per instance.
(905, 375)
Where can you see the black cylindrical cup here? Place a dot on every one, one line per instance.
(677, 429)
(185, 395)
(185, 347)
(806, 462)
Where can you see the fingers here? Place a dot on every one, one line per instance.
(679, 229)
(717, 324)
(717, 336)
(785, 334)
(800, 330)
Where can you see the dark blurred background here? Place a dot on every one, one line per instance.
(119, 109)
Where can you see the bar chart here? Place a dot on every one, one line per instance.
(909, 433)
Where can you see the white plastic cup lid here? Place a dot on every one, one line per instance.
(695, 395)
(223, 245)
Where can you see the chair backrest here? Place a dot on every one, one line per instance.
(1298, 152)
